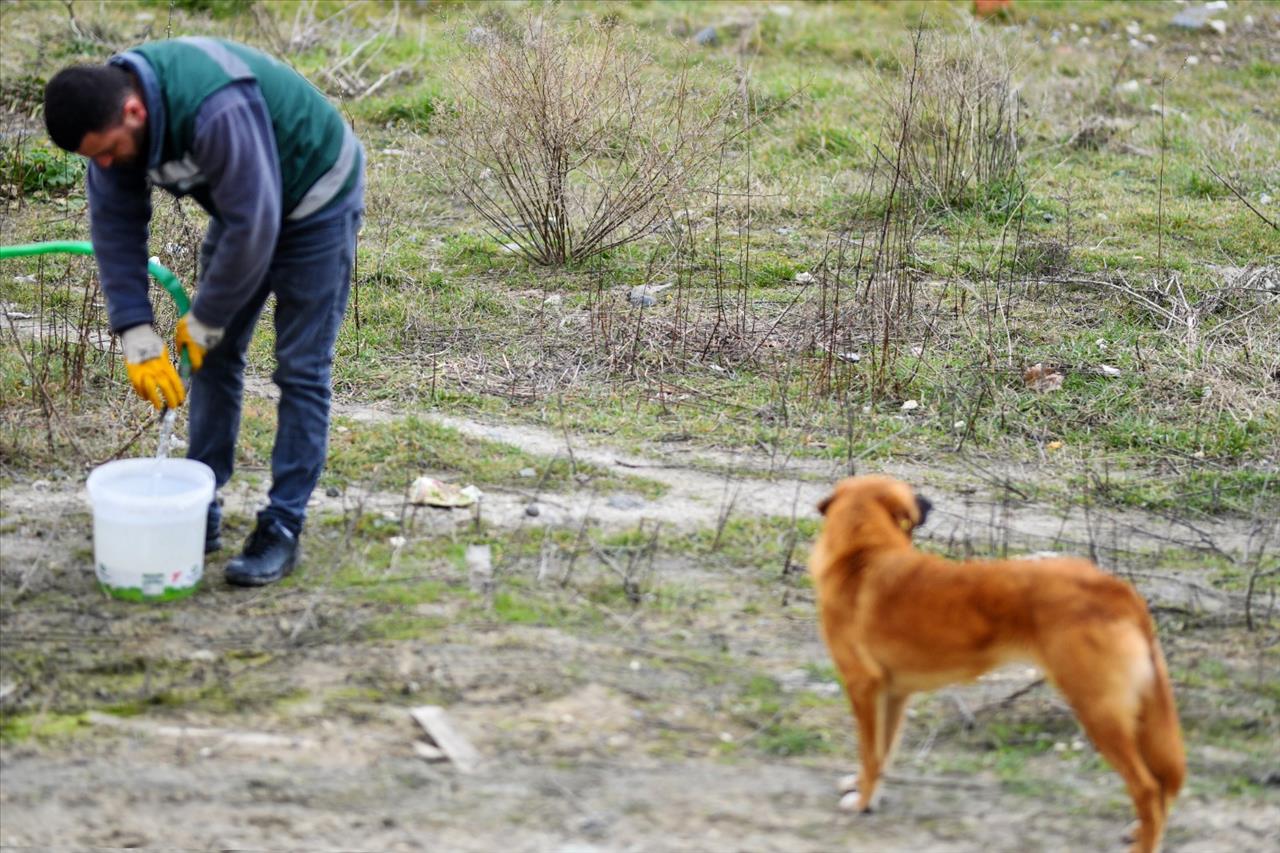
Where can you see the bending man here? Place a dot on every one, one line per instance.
(280, 174)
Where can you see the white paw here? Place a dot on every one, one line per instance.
(849, 802)
(847, 784)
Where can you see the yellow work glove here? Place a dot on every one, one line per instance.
(147, 362)
(196, 337)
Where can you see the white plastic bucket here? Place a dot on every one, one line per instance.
(148, 526)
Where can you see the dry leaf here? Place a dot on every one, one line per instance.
(1041, 378)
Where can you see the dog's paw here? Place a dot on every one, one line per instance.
(847, 784)
(852, 802)
(1130, 835)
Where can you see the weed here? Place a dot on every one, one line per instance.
(30, 169)
(567, 146)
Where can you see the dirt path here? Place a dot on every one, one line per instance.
(631, 736)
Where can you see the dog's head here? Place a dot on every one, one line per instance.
(875, 503)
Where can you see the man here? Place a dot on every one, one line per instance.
(280, 174)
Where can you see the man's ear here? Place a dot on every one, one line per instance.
(825, 503)
(924, 505)
(134, 111)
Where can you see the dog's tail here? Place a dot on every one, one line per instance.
(1159, 732)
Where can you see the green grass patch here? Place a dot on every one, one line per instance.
(41, 726)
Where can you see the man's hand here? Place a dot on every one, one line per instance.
(196, 337)
(147, 362)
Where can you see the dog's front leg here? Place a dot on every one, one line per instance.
(869, 702)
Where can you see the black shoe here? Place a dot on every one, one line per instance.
(268, 556)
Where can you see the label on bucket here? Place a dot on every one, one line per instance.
(154, 586)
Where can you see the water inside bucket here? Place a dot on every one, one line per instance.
(148, 526)
(152, 485)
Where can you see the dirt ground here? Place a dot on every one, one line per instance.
(629, 735)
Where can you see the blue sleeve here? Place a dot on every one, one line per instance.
(235, 147)
(119, 213)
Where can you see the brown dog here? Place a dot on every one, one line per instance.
(898, 621)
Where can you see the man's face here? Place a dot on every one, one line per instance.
(122, 143)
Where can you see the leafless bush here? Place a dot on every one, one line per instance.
(569, 143)
(959, 114)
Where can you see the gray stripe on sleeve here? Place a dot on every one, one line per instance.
(327, 185)
(215, 50)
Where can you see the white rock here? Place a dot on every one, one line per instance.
(910, 405)
(1218, 25)
(804, 278)
(1129, 87)
(1193, 60)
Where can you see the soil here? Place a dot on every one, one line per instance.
(632, 733)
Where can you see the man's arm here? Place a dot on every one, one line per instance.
(235, 147)
(119, 211)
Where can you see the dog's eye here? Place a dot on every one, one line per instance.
(905, 524)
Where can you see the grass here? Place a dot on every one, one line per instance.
(1057, 267)
(819, 76)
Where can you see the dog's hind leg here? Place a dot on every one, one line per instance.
(1159, 732)
(1116, 738)
(1105, 674)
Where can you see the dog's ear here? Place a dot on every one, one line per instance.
(825, 503)
(924, 505)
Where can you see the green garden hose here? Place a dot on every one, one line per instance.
(158, 271)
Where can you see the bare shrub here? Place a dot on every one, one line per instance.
(569, 143)
(958, 115)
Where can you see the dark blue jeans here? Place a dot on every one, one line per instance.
(310, 276)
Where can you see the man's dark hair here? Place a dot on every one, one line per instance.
(84, 99)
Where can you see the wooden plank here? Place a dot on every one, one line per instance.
(435, 722)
